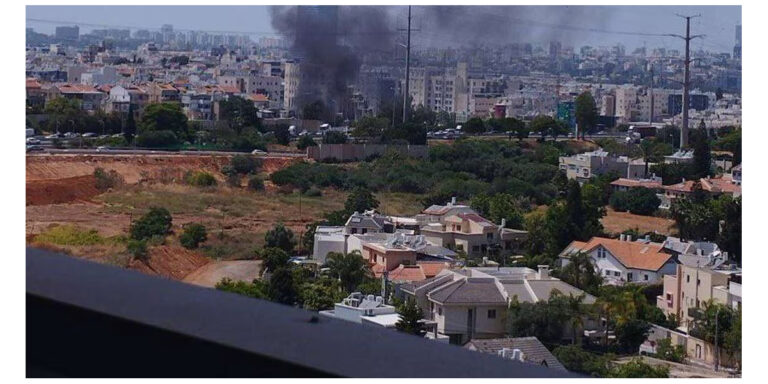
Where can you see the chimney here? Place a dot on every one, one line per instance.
(622, 237)
(629, 237)
(453, 201)
(543, 272)
(503, 222)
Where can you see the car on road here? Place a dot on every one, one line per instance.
(116, 135)
(53, 136)
(33, 141)
(102, 149)
(71, 135)
(258, 152)
(89, 134)
(34, 148)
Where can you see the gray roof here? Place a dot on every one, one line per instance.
(518, 289)
(535, 352)
(543, 289)
(470, 290)
(368, 220)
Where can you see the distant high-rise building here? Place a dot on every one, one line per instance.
(68, 33)
(554, 49)
(737, 47)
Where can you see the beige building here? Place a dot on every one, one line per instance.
(583, 166)
(473, 234)
(690, 287)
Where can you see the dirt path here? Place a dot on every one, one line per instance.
(210, 274)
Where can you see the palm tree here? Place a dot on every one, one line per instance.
(647, 149)
(577, 311)
(350, 268)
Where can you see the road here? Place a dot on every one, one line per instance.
(237, 270)
(112, 152)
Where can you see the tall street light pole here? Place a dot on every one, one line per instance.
(687, 78)
(407, 69)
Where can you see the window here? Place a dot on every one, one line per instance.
(475, 248)
(489, 235)
(617, 273)
(354, 230)
(491, 313)
(364, 231)
(601, 253)
(607, 273)
(629, 276)
(645, 277)
(440, 311)
(687, 278)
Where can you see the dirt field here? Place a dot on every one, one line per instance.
(211, 273)
(61, 190)
(617, 222)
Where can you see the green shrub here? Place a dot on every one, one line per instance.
(201, 179)
(305, 141)
(138, 248)
(193, 235)
(313, 192)
(157, 139)
(665, 350)
(70, 235)
(234, 180)
(245, 164)
(255, 183)
(157, 222)
(619, 201)
(106, 180)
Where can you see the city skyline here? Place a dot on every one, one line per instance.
(627, 25)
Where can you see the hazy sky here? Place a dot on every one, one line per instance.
(717, 22)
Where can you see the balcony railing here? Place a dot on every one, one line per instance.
(85, 319)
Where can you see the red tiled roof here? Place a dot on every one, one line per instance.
(474, 217)
(632, 254)
(407, 273)
(630, 183)
(713, 185)
(432, 269)
(259, 97)
(33, 83)
(77, 88)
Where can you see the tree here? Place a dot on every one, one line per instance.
(255, 183)
(547, 320)
(305, 141)
(581, 273)
(503, 206)
(576, 359)
(129, 130)
(535, 225)
(359, 200)
(156, 222)
(334, 137)
(157, 139)
(631, 333)
(164, 117)
(350, 268)
(410, 315)
(474, 125)
(665, 350)
(586, 113)
(193, 235)
(642, 201)
(245, 164)
(574, 207)
(256, 289)
(280, 237)
(729, 238)
(320, 294)
(63, 112)
(240, 113)
(715, 323)
(636, 368)
(694, 221)
(548, 126)
(281, 286)
(702, 156)
(274, 258)
(282, 134)
(369, 126)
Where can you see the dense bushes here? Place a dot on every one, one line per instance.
(639, 201)
(157, 222)
(193, 235)
(157, 139)
(200, 179)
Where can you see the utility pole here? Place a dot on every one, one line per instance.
(407, 69)
(687, 79)
(650, 89)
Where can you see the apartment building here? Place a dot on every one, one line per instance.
(583, 166)
(686, 290)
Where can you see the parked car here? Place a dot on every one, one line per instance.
(32, 140)
(89, 134)
(258, 152)
(102, 149)
(53, 136)
(34, 148)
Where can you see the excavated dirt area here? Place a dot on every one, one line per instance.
(61, 189)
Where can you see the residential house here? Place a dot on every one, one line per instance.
(164, 93)
(524, 349)
(680, 157)
(625, 184)
(437, 213)
(583, 166)
(119, 100)
(713, 186)
(397, 253)
(89, 97)
(622, 260)
(698, 351)
(473, 234)
(472, 303)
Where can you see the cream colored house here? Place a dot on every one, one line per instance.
(473, 234)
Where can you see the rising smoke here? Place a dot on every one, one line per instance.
(331, 41)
